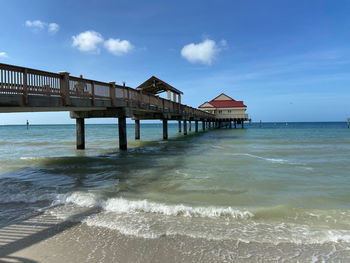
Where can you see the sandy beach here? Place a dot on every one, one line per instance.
(43, 238)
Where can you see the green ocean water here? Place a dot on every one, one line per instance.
(279, 183)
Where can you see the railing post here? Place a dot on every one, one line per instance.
(127, 94)
(92, 93)
(64, 88)
(25, 87)
(112, 92)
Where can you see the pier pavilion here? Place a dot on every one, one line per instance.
(226, 111)
(30, 90)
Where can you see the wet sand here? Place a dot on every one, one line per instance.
(44, 238)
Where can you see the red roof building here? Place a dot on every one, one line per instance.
(225, 107)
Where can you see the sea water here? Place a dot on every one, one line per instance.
(272, 184)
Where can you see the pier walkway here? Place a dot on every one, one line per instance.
(30, 90)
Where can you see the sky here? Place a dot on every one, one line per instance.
(288, 60)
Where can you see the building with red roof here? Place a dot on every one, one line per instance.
(224, 107)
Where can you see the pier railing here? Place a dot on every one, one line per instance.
(26, 81)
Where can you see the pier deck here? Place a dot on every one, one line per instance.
(30, 90)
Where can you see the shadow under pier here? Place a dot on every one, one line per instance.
(24, 233)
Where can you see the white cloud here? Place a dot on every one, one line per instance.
(38, 25)
(87, 41)
(118, 47)
(53, 28)
(3, 54)
(204, 52)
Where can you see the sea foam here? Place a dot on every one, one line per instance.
(122, 205)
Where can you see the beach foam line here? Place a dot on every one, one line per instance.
(31, 158)
(121, 205)
(272, 160)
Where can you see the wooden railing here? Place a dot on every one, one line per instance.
(25, 81)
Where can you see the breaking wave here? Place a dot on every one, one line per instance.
(121, 205)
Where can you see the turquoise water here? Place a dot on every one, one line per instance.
(274, 184)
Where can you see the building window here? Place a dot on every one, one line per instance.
(220, 111)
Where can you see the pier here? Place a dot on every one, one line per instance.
(30, 90)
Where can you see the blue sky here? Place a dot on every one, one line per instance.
(288, 60)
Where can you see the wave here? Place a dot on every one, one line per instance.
(147, 219)
(121, 205)
(272, 160)
(30, 158)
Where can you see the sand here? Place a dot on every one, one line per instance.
(44, 238)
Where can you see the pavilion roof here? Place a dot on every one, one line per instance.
(155, 85)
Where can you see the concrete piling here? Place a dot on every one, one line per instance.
(122, 133)
(137, 129)
(165, 129)
(80, 127)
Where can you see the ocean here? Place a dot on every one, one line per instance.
(271, 193)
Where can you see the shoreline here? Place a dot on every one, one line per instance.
(45, 238)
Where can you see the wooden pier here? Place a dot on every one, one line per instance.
(29, 90)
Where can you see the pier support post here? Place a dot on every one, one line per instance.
(209, 124)
(203, 125)
(137, 129)
(122, 133)
(235, 124)
(80, 127)
(196, 126)
(242, 124)
(189, 125)
(230, 124)
(165, 129)
(180, 126)
(185, 127)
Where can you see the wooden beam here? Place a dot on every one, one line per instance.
(169, 94)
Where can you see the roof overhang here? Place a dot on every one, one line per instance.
(155, 85)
